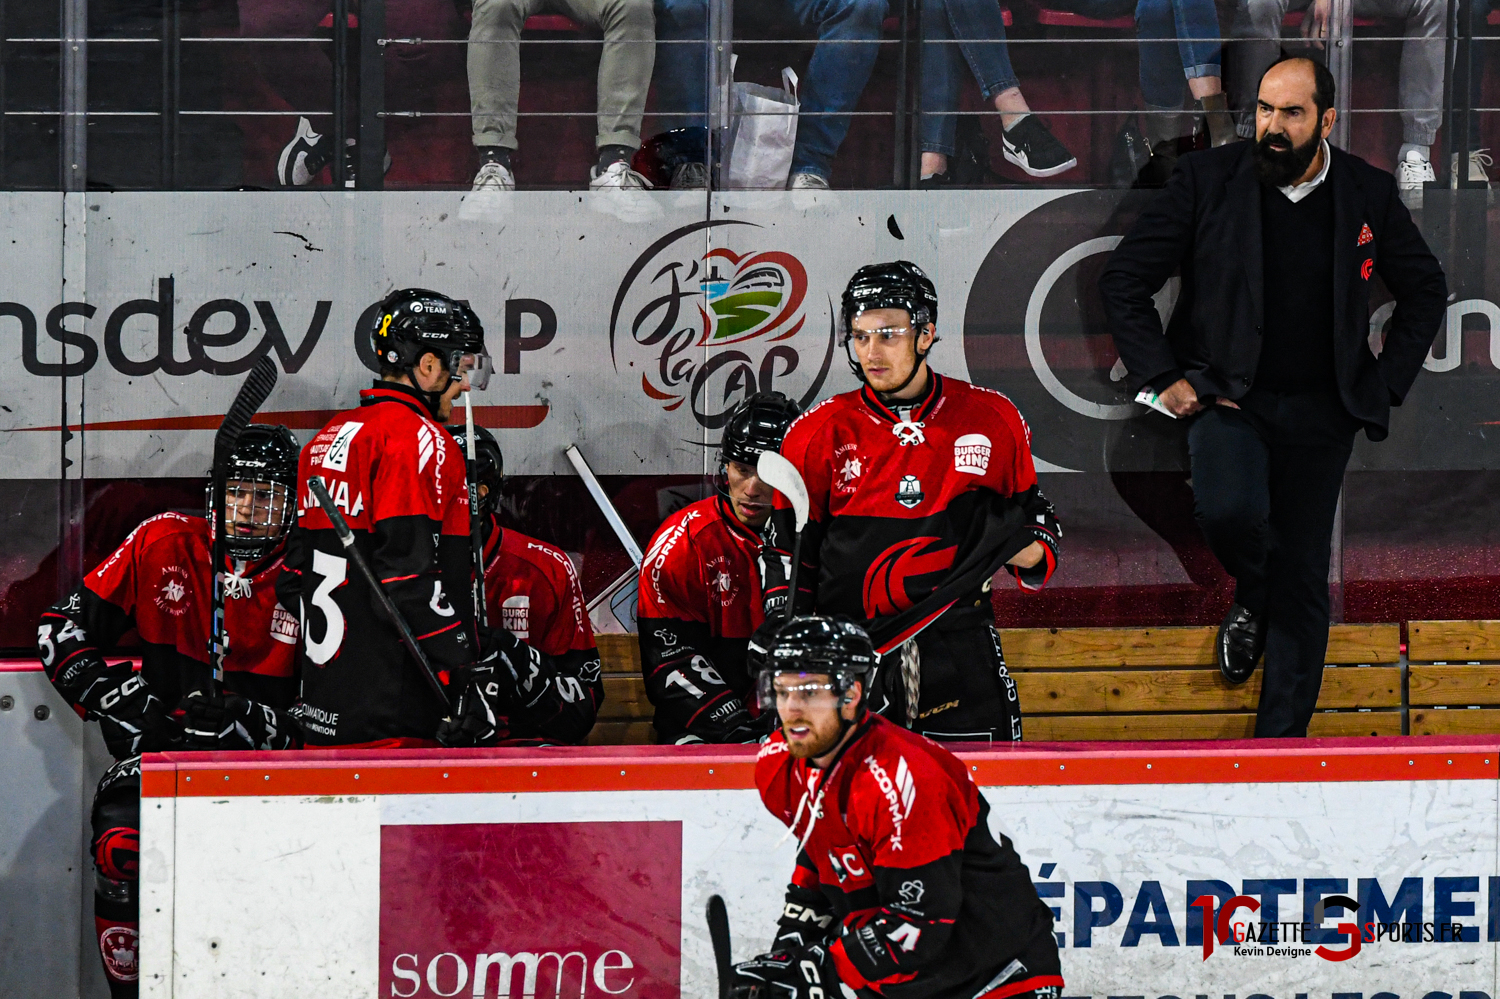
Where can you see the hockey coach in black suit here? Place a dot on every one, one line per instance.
(1267, 355)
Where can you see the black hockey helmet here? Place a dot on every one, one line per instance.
(817, 644)
(899, 284)
(755, 425)
(487, 456)
(412, 322)
(260, 491)
(662, 155)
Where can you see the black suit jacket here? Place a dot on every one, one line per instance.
(1206, 224)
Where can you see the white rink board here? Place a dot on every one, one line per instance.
(286, 890)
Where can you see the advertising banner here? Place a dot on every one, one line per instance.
(630, 332)
(1322, 872)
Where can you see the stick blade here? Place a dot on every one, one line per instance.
(778, 473)
(252, 394)
(718, 932)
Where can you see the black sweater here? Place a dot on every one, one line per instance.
(1296, 354)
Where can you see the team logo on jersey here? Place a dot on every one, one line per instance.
(721, 581)
(119, 946)
(909, 491)
(847, 467)
(336, 457)
(172, 597)
(708, 329)
(971, 454)
(283, 626)
(912, 891)
(885, 589)
(515, 615)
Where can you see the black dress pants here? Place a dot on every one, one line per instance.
(1266, 481)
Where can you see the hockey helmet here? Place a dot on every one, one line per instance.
(819, 645)
(488, 458)
(758, 424)
(412, 322)
(661, 157)
(260, 491)
(899, 284)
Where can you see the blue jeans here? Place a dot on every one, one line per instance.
(1193, 23)
(971, 31)
(835, 77)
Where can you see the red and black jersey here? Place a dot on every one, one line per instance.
(532, 592)
(897, 849)
(700, 601)
(160, 582)
(397, 477)
(896, 495)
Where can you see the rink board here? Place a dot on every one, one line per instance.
(535, 872)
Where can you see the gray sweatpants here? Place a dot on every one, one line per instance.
(1258, 41)
(625, 64)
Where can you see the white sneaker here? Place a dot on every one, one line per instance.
(807, 182)
(304, 157)
(617, 177)
(1412, 173)
(1479, 164)
(493, 176)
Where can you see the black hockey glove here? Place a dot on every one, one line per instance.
(233, 722)
(775, 567)
(132, 719)
(1042, 523)
(473, 721)
(804, 973)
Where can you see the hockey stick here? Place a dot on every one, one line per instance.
(782, 476)
(346, 538)
(476, 529)
(621, 596)
(718, 933)
(251, 396)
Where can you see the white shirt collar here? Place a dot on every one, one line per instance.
(1296, 192)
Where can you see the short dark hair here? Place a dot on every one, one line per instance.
(1323, 85)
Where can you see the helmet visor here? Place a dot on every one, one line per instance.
(477, 366)
(782, 691)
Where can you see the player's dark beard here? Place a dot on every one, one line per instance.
(1278, 162)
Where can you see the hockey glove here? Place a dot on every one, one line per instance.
(775, 568)
(232, 722)
(473, 721)
(1041, 522)
(805, 973)
(132, 719)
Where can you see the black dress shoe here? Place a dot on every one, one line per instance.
(1242, 640)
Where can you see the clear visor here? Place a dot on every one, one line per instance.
(883, 335)
(782, 691)
(478, 368)
(256, 509)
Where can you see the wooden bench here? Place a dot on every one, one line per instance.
(1454, 677)
(1120, 684)
(1087, 684)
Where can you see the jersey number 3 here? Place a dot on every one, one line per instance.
(331, 571)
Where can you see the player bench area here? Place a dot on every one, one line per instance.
(1116, 684)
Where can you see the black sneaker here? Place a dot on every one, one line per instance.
(351, 162)
(304, 157)
(1030, 145)
(935, 182)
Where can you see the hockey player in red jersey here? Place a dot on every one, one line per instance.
(397, 477)
(699, 588)
(548, 681)
(900, 889)
(159, 582)
(921, 488)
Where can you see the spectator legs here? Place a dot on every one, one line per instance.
(682, 62)
(301, 74)
(836, 76)
(1422, 56)
(955, 32)
(494, 59)
(1257, 35)
(624, 64)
